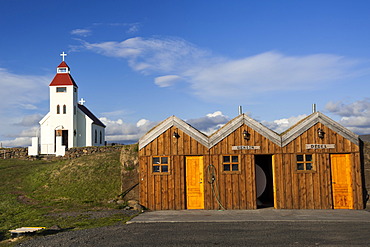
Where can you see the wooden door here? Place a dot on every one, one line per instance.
(341, 178)
(194, 182)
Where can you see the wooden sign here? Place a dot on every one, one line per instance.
(245, 147)
(320, 146)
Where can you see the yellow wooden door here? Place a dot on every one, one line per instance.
(194, 182)
(341, 179)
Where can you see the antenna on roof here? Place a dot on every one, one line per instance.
(240, 110)
(313, 108)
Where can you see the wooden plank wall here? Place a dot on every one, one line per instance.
(166, 191)
(236, 190)
(312, 190)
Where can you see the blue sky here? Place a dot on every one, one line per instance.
(138, 62)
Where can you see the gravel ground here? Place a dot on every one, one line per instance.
(211, 234)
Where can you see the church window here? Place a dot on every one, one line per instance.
(61, 89)
(96, 136)
(101, 138)
(58, 109)
(62, 70)
(64, 109)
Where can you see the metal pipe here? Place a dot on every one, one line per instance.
(313, 108)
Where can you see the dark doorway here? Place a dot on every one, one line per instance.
(264, 181)
(65, 138)
(64, 135)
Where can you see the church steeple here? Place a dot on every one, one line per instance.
(63, 77)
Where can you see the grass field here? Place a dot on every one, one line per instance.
(48, 193)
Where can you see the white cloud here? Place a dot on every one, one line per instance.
(22, 91)
(20, 94)
(167, 80)
(133, 28)
(17, 142)
(81, 32)
(210, 123)
(281, 125)
(164, 55)
(118, 130)
(355, 116)
(31, 120)
(212, 77)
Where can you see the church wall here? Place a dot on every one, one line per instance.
(63, 120)
(89, 131)
(96, 132)
(81, 130)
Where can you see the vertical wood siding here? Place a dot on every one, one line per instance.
(237, 190)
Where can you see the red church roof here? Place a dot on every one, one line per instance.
(63, 65)
(63, 79)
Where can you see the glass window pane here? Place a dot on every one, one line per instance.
(308, 157)
(164, 168)
(235, 159)
(61, 89)
(156, 160)
(308, 166)
(164, 160)
(300, 166)
(226, 159)
(156, 168)
(300, 157)
(235, 167)
(227, 167)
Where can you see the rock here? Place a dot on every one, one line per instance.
(132, 203)
(135, 205)
(120, 202)
(55, 228)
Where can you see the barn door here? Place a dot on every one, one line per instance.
(194, 182)
(341, 178)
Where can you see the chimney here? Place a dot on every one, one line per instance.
(313, 108)
(240, 110)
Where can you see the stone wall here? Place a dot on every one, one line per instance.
(14, 153)
(22, 153)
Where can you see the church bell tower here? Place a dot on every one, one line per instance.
(63, 104)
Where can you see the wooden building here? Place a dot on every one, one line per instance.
(244, 165)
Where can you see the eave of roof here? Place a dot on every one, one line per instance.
(64, 79)
(280, 140)
(235, 123)
(316, 117)
(168, 123)
(91, 115)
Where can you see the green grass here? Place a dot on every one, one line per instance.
(32, 190)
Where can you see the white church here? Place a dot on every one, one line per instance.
(69, 123)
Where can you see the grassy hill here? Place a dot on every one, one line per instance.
(47, 193)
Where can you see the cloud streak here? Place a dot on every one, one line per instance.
(22, 91)
(210, 76)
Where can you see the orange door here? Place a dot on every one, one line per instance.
(194, 182)
(341, 178)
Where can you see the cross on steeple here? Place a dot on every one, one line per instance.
(63, 55)
(82, 101)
